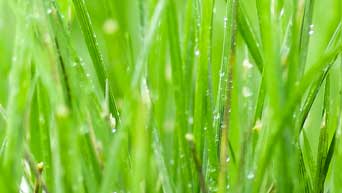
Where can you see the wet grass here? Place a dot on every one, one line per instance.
(170, 96)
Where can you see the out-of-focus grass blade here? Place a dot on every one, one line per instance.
(158, 153)
(3, 113)
(112, 164)
(274, 90)
(44, 109)
(69, 151)
(147, 42)
(179, 85)
(20, 80)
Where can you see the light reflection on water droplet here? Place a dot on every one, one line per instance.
(246, 92)
(246, 64)
(311, 31)
(197, 53)
(250, 175)
(221, 74)
(190, 120)
(110, 26)
(282, 12)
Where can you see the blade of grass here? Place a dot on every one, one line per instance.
(224, 130)
(179, 85)
(312, 74)
(248, 33)
(18, 93)
(158, 153)
(94, 51)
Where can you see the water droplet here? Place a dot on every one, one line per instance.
(189, 137)
(246, 64)
(221, 74)
(113, 130)
(24, 185)
(190, 120)
(49, 11)
(282, 12)
(323, 123)
(197, 53)
(311, 31)
(62, 111)
(258, 125)
(250, 175)
(112, 121)
(246, 92)
(110, 26)
(145, 93)
(228, 159)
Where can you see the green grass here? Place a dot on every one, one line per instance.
(170, 96)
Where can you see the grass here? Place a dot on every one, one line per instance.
(170, 96)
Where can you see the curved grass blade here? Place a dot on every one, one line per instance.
(312, 74)
(248, 34)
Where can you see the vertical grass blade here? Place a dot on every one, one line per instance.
(94, 51)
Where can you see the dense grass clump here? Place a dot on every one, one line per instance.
(170, 96)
